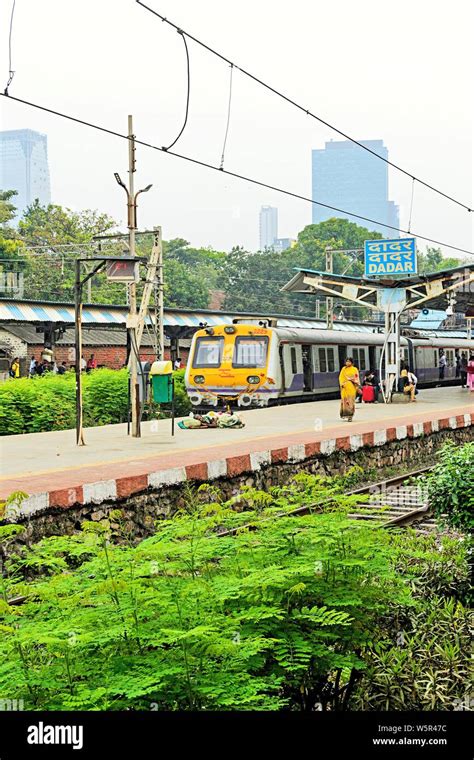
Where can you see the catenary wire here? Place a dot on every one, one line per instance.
(188, 93)
(228, 117)
(303, 109)
(11, 73)
(251, 180)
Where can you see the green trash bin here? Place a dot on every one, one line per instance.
(161, 373)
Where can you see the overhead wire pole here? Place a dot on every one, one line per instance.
(329, 301)
(132, 288)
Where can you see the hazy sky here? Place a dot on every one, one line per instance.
(399, 70)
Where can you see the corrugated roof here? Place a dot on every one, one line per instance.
(92, 337)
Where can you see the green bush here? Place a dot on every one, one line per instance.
(450, 485)
(268, 616)
(48, 403)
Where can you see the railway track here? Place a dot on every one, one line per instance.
(397, 502)
(394, 502)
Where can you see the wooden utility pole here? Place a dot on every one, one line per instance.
(329, 301)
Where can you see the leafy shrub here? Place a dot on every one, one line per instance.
(48, 402)
(268, 616)
(424, 668)
(451, 485)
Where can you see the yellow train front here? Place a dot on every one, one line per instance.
(228, 364)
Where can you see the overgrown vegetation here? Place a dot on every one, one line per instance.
(451, 485)
(237, 605)
(48, 402)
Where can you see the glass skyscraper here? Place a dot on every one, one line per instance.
(24, 167)
(349, 178)
(268, 226)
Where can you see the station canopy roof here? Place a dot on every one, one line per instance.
(107, 316)
(423, 290)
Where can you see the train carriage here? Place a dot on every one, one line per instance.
(260, 364)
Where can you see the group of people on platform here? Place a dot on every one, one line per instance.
(39, 367)
(354, 390)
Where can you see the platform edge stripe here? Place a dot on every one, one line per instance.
(296, 452)
(328, 446)
(168, 477)
(402, 432)
(356, 442)
(418, 429)
(453, 423)
(96, 493)
(34, 503)
(380, 437)
(467, 420)
(435, 426)
(216, 469)
(259, 458)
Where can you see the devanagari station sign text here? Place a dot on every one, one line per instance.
(390, 257)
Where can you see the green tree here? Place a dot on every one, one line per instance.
(54, 225)
(433, 261)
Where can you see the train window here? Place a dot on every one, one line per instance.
(330, 359)
(322, 360)
(208, 352)
(294, 366)
(435, 364)
(250, 351)
(358, 356)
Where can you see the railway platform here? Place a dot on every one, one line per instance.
(54, 472)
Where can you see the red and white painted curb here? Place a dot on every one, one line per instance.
(123, 487)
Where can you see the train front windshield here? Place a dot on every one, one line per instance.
(250, 351)
(208, 352)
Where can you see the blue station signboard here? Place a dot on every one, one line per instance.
(390, 257)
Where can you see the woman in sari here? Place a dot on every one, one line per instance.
(349, 383)
(470, 372)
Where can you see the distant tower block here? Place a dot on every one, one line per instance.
(24, 167)
(268, 226)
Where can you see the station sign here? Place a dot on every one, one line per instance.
(390, 257)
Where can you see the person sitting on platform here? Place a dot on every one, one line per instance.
(404, 384)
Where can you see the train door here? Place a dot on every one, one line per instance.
(307, 356)
(372, 358)
(282, 367)
(342, 350)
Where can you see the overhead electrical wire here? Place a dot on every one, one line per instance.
(251, 180)
(303, 109)
(228, 117)
(189, 90)
(11, 73)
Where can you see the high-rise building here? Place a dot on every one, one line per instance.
(348, 177)
(268, 226)
(24, 167)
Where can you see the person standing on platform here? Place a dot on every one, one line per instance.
(32, 368)
(14, 370)
(442, 364)
(348, 383)
(470, 373)
(463, 369)
(91, 363)
(458, 365)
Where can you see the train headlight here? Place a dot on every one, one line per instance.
(199, 379)
(229, 330)
(253, 379)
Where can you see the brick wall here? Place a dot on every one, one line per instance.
(108, 356)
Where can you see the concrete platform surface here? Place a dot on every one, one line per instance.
(52, 467)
